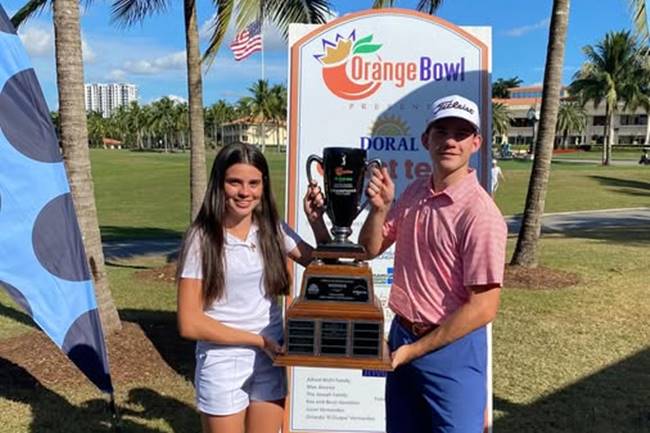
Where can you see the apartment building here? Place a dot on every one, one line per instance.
(106, 98)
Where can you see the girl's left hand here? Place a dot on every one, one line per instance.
(271, 347)
(314, 203)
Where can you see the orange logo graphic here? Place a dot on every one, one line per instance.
(335, 61)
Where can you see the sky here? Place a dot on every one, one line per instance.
(152, 54)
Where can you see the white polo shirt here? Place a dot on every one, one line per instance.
(244, 304)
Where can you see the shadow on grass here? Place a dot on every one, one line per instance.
(17, 315)
(129, 248)
(116, 233)
(52, 412)
(615, 399)
(160, 328)
(632, 228)
(633, 235)
(625, 186)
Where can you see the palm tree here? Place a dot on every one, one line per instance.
(132, 11)
(281, 12)
(217, 114)
(526, 250)
(571, 117)
(261, 107)
(500, 120)
(500, 86)
(96, 128)
(278, 110)
(74, 140)
(611, 75)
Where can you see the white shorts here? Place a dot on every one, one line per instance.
(227, 380)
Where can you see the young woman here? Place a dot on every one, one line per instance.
(231, 269)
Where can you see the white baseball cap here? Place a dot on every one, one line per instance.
(455, 106)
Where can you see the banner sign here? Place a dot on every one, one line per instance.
(43, 265)
(368, 80)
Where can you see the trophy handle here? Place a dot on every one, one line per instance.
(310, 160)
(376, 162)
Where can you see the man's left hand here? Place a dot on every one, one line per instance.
(403, 355)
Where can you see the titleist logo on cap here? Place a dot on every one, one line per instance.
(446, 105)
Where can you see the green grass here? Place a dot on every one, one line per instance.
(570, 360)
(147, 194)
(578, 359)
(576, 187)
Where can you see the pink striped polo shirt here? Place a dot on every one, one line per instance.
(445, 242)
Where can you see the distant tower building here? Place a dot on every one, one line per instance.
(105, 98)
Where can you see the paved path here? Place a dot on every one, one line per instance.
(565, 221)
(551, 223)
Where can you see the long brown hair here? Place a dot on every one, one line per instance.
(209, 227)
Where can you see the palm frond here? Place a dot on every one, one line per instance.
(282, 13)
(247, 12)
(218, 29)
(378, 4)
(429, 6)
(31, 8)
(640, 20)
(129, 12)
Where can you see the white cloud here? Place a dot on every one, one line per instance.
(87, 52)
(174, 61)
(116, 75)
(206, 28)
(38, 41)
(520, 31)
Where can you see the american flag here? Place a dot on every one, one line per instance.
(247, 41)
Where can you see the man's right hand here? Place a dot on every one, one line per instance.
(381, 190)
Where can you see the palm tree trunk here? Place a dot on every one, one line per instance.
(610, 136)
(605, 135)
(526, 250)
(198, 174)
(74, 140)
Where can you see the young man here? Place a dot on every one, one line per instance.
(496, 175)
(450, 241)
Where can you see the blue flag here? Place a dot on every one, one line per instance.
(42, 260)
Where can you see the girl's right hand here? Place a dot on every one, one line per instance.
(314, 202)
(271, 347)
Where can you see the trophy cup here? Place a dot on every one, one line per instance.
(337, 321)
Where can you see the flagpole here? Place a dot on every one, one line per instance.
(262, 33)
(262, 36)
(115, 414)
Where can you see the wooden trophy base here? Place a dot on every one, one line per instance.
(337, 321)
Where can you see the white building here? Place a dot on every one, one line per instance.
(248, 130)
(630, 127)
(105, 98)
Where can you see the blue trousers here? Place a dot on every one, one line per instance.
(443, 391)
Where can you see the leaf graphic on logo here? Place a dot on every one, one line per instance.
(362, 41)
(366, 48)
